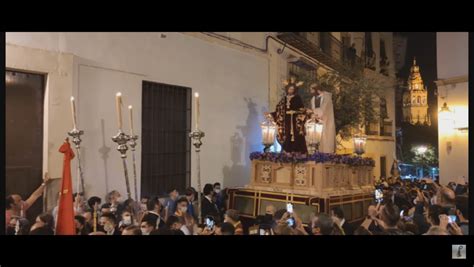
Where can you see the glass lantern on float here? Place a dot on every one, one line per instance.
(269, 128)
(314, 131)
(359, 144)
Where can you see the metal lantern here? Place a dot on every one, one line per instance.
(314, 131)
(269, 129)
(359, 144)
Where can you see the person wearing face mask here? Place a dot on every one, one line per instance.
(219, 198)
(16, 206)
(107, 224)
(186, 219)
(132, 230)
(126, 220)
(154, 211)
(208, 206)
(148, 224)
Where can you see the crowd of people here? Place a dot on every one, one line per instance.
(401, 207)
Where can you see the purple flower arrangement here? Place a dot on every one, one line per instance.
(318, 157)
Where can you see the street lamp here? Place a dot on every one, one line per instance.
(314, 130)
(359, 144)
(269, 128)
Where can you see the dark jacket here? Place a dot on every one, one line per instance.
(209, 208)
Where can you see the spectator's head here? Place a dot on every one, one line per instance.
(217, 188)
(189, 193)
(436, 230)
(445, 197)
(132, 230)
(105, 208)
(173, 223)
(154, 204)
(143, 202)
(323, 224)
(433, 214)
(126, 217)
(390, 214)
(182, 204)
(208, 189)
(13, 202)
(231, 216)
(108, 221)
(148, 224)
(45, 220)
(173, 193)
(225, 229)
(79, 222)
(279, 214)
(94, 202)
(114, 197)
(462, 206)
(87, 214)
(353, 45)
(337, 214)
(315, 89)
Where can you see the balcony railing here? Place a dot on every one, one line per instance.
(325, 49)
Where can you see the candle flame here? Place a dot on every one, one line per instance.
(130, 107)
(119, 94)
(196, 94)
(72, 98)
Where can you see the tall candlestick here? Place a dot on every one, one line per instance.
(196, 95)
(118, 102)
(73, 111)
(131, 120)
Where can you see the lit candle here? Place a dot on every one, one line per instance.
(131, 120)
(196, 95)
(118, 102)
(73, 110)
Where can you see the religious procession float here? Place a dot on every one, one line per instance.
(307, 172)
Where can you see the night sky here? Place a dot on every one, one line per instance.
(422, 45)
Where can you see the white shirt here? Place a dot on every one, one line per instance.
(208, 198)
(342, 222)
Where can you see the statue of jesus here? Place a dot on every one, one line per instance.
(290, 117)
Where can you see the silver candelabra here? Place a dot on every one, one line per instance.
(196, 136)
(121, 139)
(76, 139)
(132, 143)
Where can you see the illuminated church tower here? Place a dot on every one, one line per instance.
(415, 99)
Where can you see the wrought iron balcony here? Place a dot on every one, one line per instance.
(329, 51)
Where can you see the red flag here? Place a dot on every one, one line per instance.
(65, 224)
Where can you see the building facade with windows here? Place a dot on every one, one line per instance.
(237, 74)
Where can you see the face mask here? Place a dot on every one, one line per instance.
(183, 209)
(145, 231)
(108, 227)
(119, 199)
(143, 207)
(127, 220)
(217, 191)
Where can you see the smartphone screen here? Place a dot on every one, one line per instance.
(378, 195)
(209, 223)
(291, 222)
(289, 207)
(452, 218)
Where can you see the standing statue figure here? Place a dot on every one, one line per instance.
(290, 117)
(322, 107)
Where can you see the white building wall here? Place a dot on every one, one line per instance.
(233, 86)
(453, 145)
